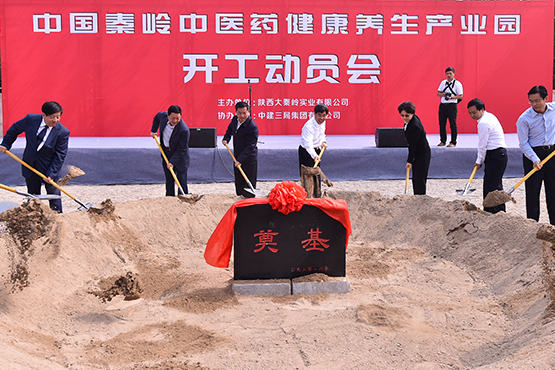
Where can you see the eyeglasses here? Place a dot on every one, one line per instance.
(535, 101)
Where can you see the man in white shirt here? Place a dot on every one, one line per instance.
(313, 139)
(492, 150)
(451, 92)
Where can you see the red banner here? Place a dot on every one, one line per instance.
(114, 65)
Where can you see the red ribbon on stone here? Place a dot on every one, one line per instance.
(287, 197)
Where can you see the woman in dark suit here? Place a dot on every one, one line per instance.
(419, 148)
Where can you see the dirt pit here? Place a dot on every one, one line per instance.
(434, 285)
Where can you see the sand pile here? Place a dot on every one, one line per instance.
(434, 285)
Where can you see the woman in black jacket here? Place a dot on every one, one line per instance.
(419, 149)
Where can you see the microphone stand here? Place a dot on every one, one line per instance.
(250, 97)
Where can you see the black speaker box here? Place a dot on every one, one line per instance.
(390, 138)
(202, 137)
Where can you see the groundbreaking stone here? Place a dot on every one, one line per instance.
(262, 287)
(333, 285)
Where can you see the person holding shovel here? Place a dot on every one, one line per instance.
(245, 140)
(313, 142)
(45, 149)
(419, 149)
(174, 141)
(492, 150)
(536, 134)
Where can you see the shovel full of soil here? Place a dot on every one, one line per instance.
(498, 197)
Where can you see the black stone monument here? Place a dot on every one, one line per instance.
(272, 245)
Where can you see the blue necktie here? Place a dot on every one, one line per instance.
(40, 136)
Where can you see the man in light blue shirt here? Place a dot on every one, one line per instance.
(536, 135)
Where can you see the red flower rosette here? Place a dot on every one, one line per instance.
(287, 197)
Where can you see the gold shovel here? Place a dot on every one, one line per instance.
(497, 197)
(167, 162)
(467, 186)
(319, 158)
(407, 181)
(251, 188)
(29, 196)
(51, 182)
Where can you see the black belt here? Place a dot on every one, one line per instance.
(496, 149)
(545, 147)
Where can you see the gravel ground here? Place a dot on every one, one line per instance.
(439, 188)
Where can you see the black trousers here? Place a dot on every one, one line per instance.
(495, 164)
(420, 168)
(170, 182)
(305, 158)
(34, 184)
(534, 183)
(240, 182)
(448, 111)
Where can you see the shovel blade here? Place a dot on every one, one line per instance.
(46, 196)
(464, 192)
(250, 191)
(4, 206)
(85, 207)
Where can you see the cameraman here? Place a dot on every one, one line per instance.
(451, 92)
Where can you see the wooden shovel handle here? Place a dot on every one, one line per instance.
(532, 171)
(407, 181)
(231, 153)
(239, 167)
(8, 188)
(168, 162)
(41, 175)
(319, 158)
(472, 175)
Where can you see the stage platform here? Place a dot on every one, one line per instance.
(136, 160)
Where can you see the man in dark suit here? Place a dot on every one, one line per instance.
(45, 149)
(174, 139)
(245, 137)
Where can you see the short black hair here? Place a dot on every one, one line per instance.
(241, 104)
(407, 106)
(538, 89)
(476, 103)
(51, 107)
(174, 109)
(321, 108)
(450, 69)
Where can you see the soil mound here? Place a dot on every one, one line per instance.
(127, 285)
(24, 224)
(434, 285)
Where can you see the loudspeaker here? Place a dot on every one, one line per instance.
(202, 137)
(391, 138)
